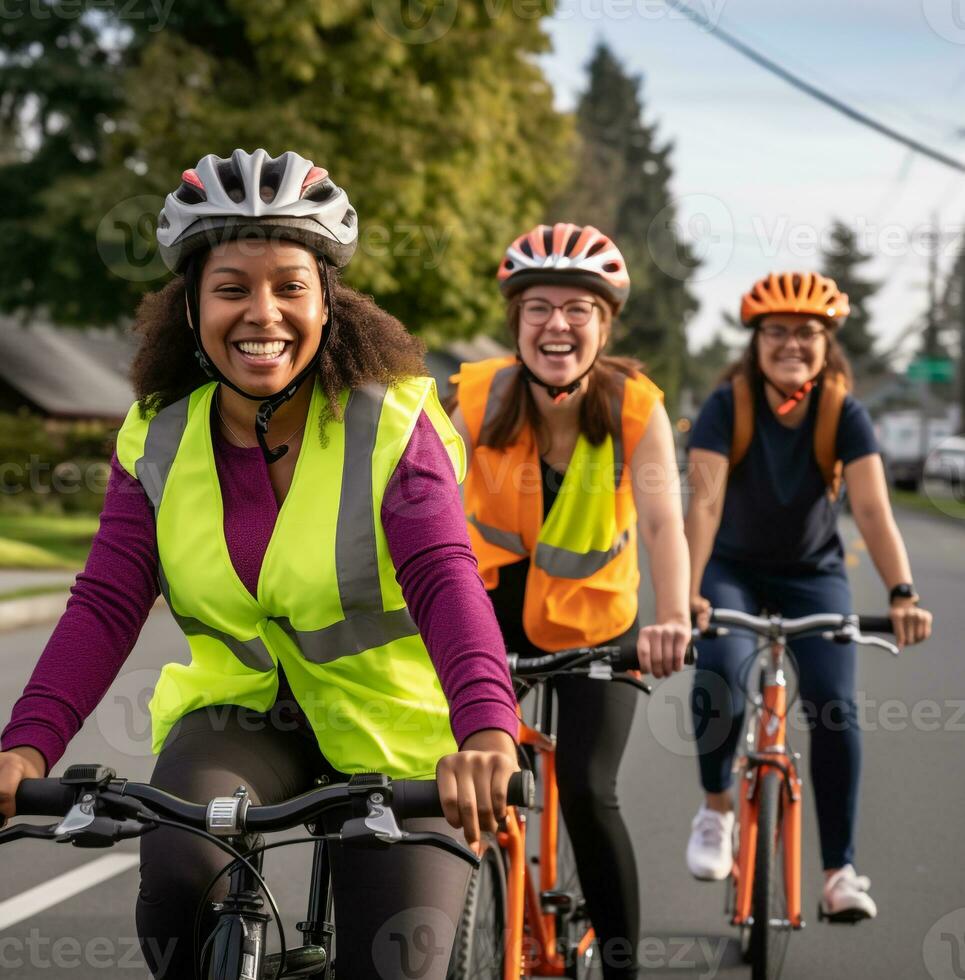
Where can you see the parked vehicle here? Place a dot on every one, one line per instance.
(946, 463)
(907, 438)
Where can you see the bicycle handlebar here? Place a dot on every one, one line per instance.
(619, 657)
(409, 798)
(774, 626)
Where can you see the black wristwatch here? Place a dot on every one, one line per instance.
(904, 590)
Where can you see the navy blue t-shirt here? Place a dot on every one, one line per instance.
(776, 511)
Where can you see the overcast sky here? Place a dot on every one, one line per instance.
(761, 168)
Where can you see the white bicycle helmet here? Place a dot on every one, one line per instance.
(222, 199)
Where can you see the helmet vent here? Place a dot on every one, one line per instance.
(596, 247)
(526, 247)
(349, 218)
(162, 221)
(271, 175)
(231, 181)
(548, 240)
(189, 194)
(319, 192)
(611, 267)
(571, 243)
(508, 264)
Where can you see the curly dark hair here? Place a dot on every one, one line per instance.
(368, 345)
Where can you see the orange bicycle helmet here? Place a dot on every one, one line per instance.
(795, 292)
(566, 255)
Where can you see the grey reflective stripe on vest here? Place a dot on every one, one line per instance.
(362, 632)
(252, 653)
(563, 563)
(366, 624)
(507, 540)
(164, 434)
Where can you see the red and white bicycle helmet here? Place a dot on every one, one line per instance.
(223, 198)
(566, 255)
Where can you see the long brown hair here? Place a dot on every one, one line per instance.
(367, 345)
(519, 407)
(749, 365)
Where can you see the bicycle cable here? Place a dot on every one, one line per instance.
(237, 856)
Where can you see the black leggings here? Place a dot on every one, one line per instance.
(384, 900)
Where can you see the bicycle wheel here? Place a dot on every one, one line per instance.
(477, 953)
(770, 931)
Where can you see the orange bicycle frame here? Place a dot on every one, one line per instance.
(532, 945)
(771, 755)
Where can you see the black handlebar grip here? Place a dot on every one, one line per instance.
(876, 624)
(420, 797)
(628, 659)
(44, 798)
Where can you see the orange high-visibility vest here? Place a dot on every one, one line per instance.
(581, 588)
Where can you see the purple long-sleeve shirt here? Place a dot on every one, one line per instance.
(111, 598)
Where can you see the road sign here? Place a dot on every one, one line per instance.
(931, 369)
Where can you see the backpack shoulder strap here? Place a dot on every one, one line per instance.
(833, 392)
(743, 419)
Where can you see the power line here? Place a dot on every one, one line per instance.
(775, 69)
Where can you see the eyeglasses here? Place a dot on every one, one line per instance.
(805, 334)
(576, 312)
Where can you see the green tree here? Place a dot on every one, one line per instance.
(622, 185)
(842, 261)
(446, 146)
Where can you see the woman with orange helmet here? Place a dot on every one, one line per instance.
(768, 454)
(572, 451)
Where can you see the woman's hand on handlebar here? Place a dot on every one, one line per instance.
(661, 647)
(700, 610)
(473, 782)
(20, 763)
(911, 623)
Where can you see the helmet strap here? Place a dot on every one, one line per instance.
(791, 401)
(272, 403)
(558, 393)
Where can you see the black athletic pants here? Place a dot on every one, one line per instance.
(396, 910)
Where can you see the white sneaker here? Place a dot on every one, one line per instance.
(845, 897)
(710, 850)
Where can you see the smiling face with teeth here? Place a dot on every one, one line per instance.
(790, 363)
(556, 351)
(262, 312)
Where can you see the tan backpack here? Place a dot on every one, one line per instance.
(834, 389)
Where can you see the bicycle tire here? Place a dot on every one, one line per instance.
(478, 952)
(768, 941)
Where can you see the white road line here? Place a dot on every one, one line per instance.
(64, 886)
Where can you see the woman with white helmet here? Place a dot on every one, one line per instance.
(323, 579)
(571, 454)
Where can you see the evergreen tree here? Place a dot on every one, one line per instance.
(842, 261)
(446, 147)
(622, 186)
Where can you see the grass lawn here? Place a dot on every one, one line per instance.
(940, 506)
(31, 591)
(45, 541)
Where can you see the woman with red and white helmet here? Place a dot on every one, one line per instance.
(287, 480)
(571, 453)
(768, 454)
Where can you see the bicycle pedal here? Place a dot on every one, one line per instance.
(556, 901)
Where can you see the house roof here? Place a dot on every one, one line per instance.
(67, 372)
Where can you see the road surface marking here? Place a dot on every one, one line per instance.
(64, 886)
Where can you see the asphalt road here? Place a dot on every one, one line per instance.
(911, 837)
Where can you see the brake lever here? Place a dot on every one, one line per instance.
(20, 831)
(633, 681)
(877, 641)
(380, 829)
